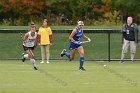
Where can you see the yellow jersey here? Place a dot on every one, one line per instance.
(44, 34)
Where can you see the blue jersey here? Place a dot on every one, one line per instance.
(78, 35)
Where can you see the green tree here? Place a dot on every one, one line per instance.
(128, 8)
(73, 9)
(21, 9)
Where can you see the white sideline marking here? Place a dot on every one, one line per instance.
(88, 83)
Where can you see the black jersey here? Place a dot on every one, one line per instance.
(129, 33)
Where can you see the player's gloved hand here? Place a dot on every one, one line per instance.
(77, 42)
(89, 39)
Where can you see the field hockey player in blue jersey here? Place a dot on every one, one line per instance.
(75, 44)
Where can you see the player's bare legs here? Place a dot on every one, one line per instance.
(72, 54)
(30, 54)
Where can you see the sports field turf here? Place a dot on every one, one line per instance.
(64, 77)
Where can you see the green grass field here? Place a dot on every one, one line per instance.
(64, 77)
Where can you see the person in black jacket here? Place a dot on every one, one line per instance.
(130, 38)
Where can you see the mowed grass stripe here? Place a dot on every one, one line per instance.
(64, 77)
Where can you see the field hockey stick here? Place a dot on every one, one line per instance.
(84, 42)
(26, 46)
(89, 40)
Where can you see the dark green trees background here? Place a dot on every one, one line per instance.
(67, 12)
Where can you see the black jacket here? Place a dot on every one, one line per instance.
(124, 27)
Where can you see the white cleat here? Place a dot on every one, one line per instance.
(62, 53)
(47, 62)
(23, 59)
(42, 62)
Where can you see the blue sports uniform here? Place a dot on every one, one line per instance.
(72, 46)
(76, 37)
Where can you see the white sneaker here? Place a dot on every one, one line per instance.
(47, 62)
(23, 59)
(62, 52)
(42, 62)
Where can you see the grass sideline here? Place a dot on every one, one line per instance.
(64, 77)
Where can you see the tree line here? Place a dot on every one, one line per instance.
(64, 12)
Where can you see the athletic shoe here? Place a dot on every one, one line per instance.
(132, 61)
(62, 53)
(121, 61)
(82, 69)
(35, 68)
(23, 59)
(42, 62)
(47, 62)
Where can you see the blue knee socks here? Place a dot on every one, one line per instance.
(67, 54)
(81, 61)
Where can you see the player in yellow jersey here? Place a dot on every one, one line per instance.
(45, 40)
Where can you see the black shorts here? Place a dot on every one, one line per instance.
(27, 48)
